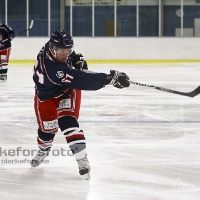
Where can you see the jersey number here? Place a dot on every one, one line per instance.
(67, 78)
(40, 75)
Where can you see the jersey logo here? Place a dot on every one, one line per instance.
(60, 74)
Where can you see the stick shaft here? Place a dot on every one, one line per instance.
(188, 94)
(30, 27)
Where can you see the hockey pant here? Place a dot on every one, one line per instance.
(63, 113)
(4, 59)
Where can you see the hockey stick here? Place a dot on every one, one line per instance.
(188, 94)
(30, 27)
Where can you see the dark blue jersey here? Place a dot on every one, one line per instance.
(52, 78)
(5, 33)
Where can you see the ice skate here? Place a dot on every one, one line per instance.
(84, 167)
(39, 158)
(3, 77)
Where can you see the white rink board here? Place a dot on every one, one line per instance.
(121, 48)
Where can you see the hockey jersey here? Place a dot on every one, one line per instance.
(53, 78)
(5, 33)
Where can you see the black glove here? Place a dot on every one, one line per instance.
(10, 37)
(79, 62)
(117, 79)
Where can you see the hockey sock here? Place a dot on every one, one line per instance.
(74, 136)
(45, 140)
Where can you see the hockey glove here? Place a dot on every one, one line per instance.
(10, 37)
(118, 79)
(79, 62)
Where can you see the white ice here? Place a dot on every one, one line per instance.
(142, 144)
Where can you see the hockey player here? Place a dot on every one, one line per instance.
(59, 75)
(7, 34)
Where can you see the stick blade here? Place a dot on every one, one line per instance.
(31, 24)
(197, 90)
(193, 93)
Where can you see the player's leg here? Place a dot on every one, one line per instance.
(76, 141)
(46, 115)
(4, 59)
(68, 114)
(0, 66)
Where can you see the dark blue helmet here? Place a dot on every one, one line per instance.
(61, 39)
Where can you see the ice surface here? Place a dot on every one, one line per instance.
(142, 144)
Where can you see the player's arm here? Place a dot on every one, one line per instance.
(10, 31)
(93, 81)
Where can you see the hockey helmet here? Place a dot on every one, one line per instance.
(60, 40)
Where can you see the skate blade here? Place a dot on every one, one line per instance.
(86, 176)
